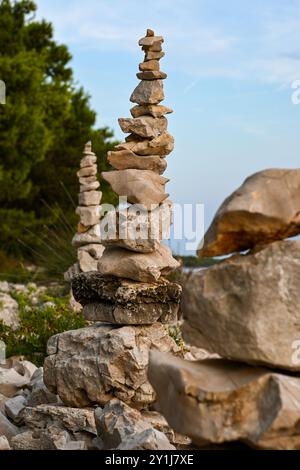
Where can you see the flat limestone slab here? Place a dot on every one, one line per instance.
(118, 301)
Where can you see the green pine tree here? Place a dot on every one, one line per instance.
(43, 128)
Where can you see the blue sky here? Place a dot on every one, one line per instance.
(230, 67)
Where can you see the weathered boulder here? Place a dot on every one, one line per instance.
(143, 267)
(247, 307)
(139, 186)
(92, 365)
(265, 208)
(117, 300)
(219, 401)
(136, 229)
(144, 126)
(122, 427)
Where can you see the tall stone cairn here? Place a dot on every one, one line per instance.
(129, 287)
(128, 300)
(87, 239)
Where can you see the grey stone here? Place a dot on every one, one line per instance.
(14, 407)
(148, 92)
(265, 208)
(91, 365)
(119, 301)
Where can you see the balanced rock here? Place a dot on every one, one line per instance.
(148, 92)
(155, 110)
(247, 307)
(265, 208)
(88, 215)
(91, 236)
(150, 41)
(141, 267)
(219, 401)
(139, 186)
(92, 365)
(120, 301)
(144, 126)
(125, 160)
(90, 198)
(161, 145)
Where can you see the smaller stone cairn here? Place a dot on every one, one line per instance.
(87, 239)
(246, 309)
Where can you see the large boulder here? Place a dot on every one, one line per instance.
(142, 187)
(247, 307)
(117, 300)
(142, 267)
(218, 401)
(122, 427)
(92, 365)
(264, 209)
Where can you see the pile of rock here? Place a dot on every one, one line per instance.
(128, 300)
(245, 308)
(87, 239)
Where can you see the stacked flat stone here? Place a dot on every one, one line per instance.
(87, 239)
(245, 309)
(129, 287)
(128, 301)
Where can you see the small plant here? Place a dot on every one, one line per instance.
(37, 325)
(176, 334)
